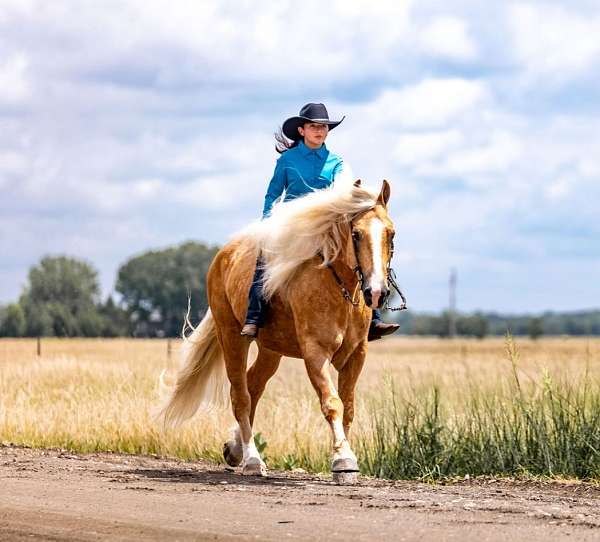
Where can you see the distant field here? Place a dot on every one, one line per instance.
(428, 408)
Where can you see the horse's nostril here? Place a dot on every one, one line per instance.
(368, 296)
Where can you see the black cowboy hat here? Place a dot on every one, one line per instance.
(309, 113)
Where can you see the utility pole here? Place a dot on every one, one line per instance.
(452, 304)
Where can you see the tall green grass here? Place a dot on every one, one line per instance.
(549, 428)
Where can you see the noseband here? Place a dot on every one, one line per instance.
(390, 277)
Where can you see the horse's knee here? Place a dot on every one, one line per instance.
(332, 407)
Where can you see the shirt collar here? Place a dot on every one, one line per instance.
(306, 151)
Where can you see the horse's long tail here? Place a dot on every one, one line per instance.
(201, 382)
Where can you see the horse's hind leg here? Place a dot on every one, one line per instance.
(265, 366)
(235, 352)
(258, 375)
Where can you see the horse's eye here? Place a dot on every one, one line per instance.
(356, 235)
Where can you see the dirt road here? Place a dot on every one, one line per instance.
(50, 495)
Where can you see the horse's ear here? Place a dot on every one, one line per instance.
(357, 183)
(384, 195)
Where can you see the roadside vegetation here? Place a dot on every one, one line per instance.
(427, 408)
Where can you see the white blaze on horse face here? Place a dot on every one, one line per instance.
(377, 279)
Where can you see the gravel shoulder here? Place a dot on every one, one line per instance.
(54, 495)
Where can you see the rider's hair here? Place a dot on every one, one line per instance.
(283, 143)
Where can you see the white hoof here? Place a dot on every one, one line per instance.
(344, 464)
(345, 478)
(254, 467)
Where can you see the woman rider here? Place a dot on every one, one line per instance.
(305, 165)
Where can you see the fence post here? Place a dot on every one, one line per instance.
(39, 347)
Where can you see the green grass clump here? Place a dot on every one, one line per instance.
(548, 428)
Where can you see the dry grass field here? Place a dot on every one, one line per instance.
(427, 408)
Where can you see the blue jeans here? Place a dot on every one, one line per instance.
(256, 303)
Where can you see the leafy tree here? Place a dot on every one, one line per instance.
(441, 324)
(61, 298)
(63, 280)
(536, 328)
(12, 323)
(39, 320)
(115, 320)
(156, 285)
(475, 325)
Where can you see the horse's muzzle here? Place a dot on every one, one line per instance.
(380, 297)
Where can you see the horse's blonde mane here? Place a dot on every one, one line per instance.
(302, 228)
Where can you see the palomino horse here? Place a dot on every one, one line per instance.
(317, 250)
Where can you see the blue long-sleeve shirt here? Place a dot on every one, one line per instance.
(301, 170)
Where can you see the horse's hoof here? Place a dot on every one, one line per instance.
(344, 464)
(345, 478)
(254, 467)
(231, 458)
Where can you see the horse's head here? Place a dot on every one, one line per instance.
(372, 237)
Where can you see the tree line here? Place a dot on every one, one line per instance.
(62, 298)
(480, 324)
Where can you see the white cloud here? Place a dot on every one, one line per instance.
(147, 188)
(429, 103)
(11, 162)
(495, 155)
(559, 188)
(447, 37)
(211, 193)
(175, 43)
(15, 86)
(415, 148)
(553, 41)
(8, 8)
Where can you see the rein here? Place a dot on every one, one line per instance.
(391, 279)
(345, 293)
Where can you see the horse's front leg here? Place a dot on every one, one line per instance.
(347, 379)
(318, 361)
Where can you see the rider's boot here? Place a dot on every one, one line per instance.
(379, 328)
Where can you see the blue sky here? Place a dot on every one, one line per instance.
(130, 125)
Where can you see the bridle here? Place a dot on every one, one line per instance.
(354, 299)
(391, 278)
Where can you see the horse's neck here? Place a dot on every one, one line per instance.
(346, 274)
